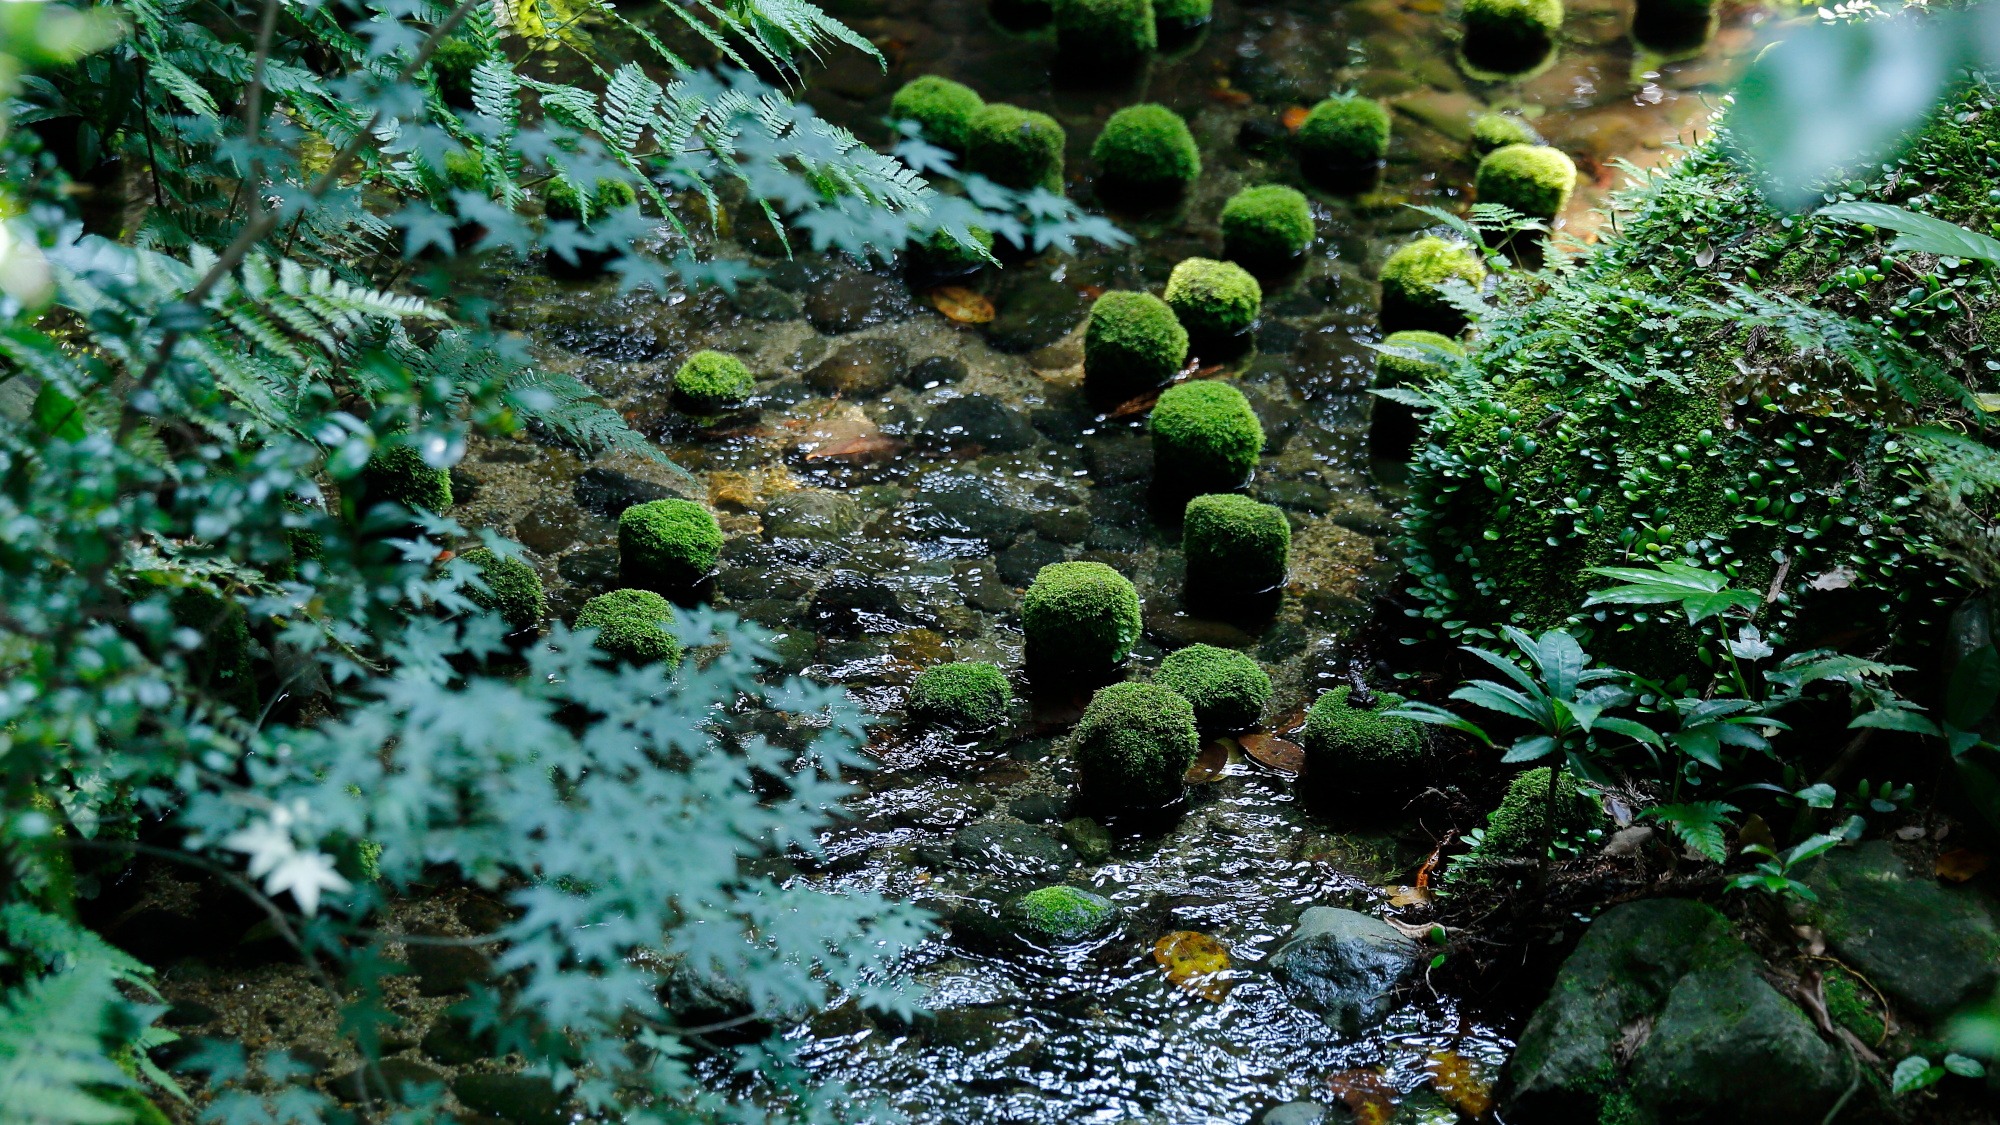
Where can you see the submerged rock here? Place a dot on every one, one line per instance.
(1346, 965)
(520, 1098)
(980, 420)
(812, 515)
(1929, 947)
(848, 302)
(1011, 848)
(865, 367)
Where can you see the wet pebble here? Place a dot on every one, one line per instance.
(609, 492)
(1090, 839)
(441, 970)
(520, 1098)
(1063, 525)
(965, 507)
(859, 369)
(749, 583)
(849, 302)
(766, 302)
(979, 583)
(452, 1042)
(812, 514)
(1298, 495)
(399, 1075)
(934, 371)
(1032, 310)
(1018, 564)
(1118, 457)
(555, 525)
(980, 420)
(1011, 849)
(592, 569)
(1039, 808)
(842, 602)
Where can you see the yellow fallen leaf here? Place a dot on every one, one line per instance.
(1277, 753)
(1294, 118)
(1408, 896)
(1195, 962)
(962, 304)
(1368, 1096)
(1211, 763)
(1458, 1081)
(1960, 864)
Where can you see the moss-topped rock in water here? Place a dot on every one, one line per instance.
(1403, 371)
(1533, 179)
(513, 588)
(1214, 300)
(667, 544)
(1673, 28)
(452, 65)
(1062, 912)
(1205, 436)
(967, 695)
(1528, 822)
(1015, 147)
(1267, 225)
(1133, 343)
(1106, 32)
(943, 255)
(711, 382)
(944, 108)
(632, 626)
(1498, 130)
(1410, 279)
(1344, 132)
(1361, 749)
(1226, 688)
(398, 474)
(1079, 616)
(1134, 745)
(1510, 37)
(1234, 545)
(562, 201)
(1181, 17)
(1146, 150)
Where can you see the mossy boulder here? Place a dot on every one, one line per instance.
(1403, 371)
(943, 255)
(1146, 150)
(398, 474)
(1361, 749)
(1226, 688)
(513, 588)
(1533, 179)
(1214, 300)
(1205, 436)
(966, 695)
(1134, 745)
(1234, 545)
(1933, 949)
(1132, 343)
(220, 664)
(1113, 32)
(1498, 130)
(1181, 16)
(1673, 28)
(1267, 225)
(1079, 616)
(711, 382)
(944, 108)
(452, 65)
(1344, 132)
(1510, 37)
(1062, 912)
(1410, 279)
(632, 626)
(1528, 822)
(667, 544)
(561, 200)
(1015, 147)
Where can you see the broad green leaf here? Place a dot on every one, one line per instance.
(1702, 594)
(1820, 796)
(1530, 749)
(1921, 233)
(1913, 1074)
(1896, 718)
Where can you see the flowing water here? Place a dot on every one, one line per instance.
(903, 475)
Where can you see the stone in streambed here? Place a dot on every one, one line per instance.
(520, 1098)
(812, 515)
(1930, 947)
(860, 369)
(1011, 848)
(980, 420)
(848, 302)
(1346, 965)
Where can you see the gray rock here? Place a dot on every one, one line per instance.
(1019, 564)
(400, 1076)
(859, 369)
(1728, 1049)
(1930, 947)
(1063, 525)
(1346, 965)
(977, 420)
(980, 585)
(848, 302)
(812, 514)
(753, 583)
(1116, 458)
(593, 569)
(1090, 839)
(1014, 849)
(1293, 1113)
(934, 371)
(765, 302)
(1033, 311)
(949, 506)
(452, 1042)
(520, 1098)
(842, 602)
(444, 969)
(609, 492)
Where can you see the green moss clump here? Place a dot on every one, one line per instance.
(1147, 149)
(1079, 616)
(1267, 225)
(220, 664)
(1234, 544)
(1510, 37)
(1533, 179)
(1133, 343)
(1064, 912)
(1214, 300)
(711, 381)
(1205, 436)
(562, 201)
(1226, 688)
(943, 107)
(1106, 31)
(1016, 148)
(451, 69)
(632, 626)
(966, 694)
(1847, 1004)
(1399, 371)
(667, 543)
(1518, 829)
(1410, 280)
(1498, 130)
(1361, 750)
(1134, 744)
(398, 474)
(513, 589)
(945, 255)
(1182, 15)
(1345, 131)
(1674, 28)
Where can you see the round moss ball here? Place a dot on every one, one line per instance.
(943, 107)
(1361, 749)
(632, 626)
(1227, 689)
(562, 201)
(1519, 828)
(1063, 912)
(1182, 15)
(398, 474)
(513, 589)
(1147, 149)
(1079, 616)
(451, 68)
(1214, 300)
(1345, 131)
(710, 382)
(1673, 27)
(1398, 371)
(1134, 745)
(1410, 280)
(1234, 544)
(968, 695)
(1509, 37)
(943, 254)
(1532, 179)
(667, 543)
(1267, 225)
(1133, 343)
(1106, 31)
(1015, 147)
(1498, 130)
(1205, 436)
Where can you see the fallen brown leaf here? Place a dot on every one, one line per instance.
(1454, 1076)
(1756, 831)
(962, 305)
(1211, 762)
(1294, 117)
(1408, 896)
(1368, 1096)
(1138, 405)
(1195, 962)
(1220, 92)
(1275, 753)
(1960, 864)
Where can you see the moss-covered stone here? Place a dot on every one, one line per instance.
(220, 665)
(1267, 225)
(451, 69)
(632, 626)
(1673, 28)
(710, 382)
(1214, 300)
(1852, 1005)
(1345, 131)
(1063, 912)
(667, 544)
(1510, 37)
(1133, 343)
(1520, 827)
(1533, 179)
(1226, 688)
(1205, 436)
(1015, 147)
(1146, 150)
(944, 108)
(1498, 130)
(1181, 15)
(1234, 544)
(1116, 32)
(1402, 371)
(563, 202)
(1361, 749)
(1079, 616)
(1134, 744)
(945, 256)
(398, 474)
(513, 588)
(967, 695)
(1410, 280)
